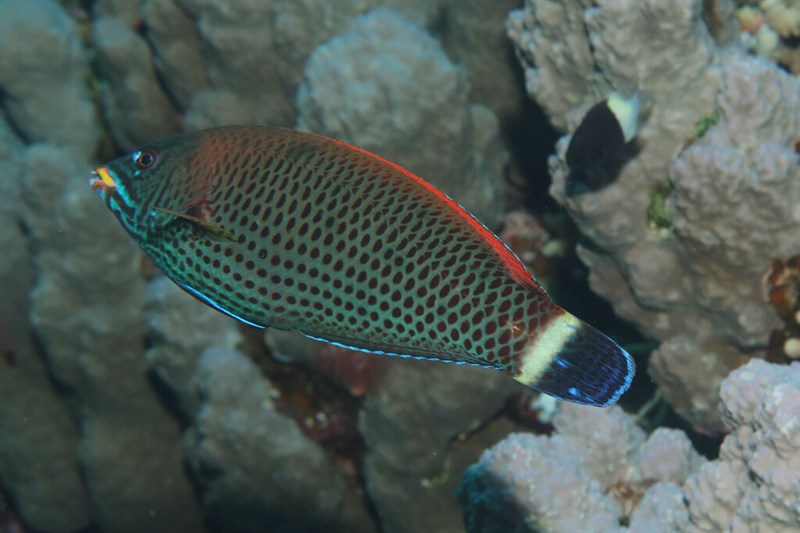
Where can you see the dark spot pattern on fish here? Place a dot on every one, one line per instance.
(349, 248)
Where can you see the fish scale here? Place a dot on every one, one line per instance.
(293, 230)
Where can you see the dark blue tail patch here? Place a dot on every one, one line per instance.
(590, 369)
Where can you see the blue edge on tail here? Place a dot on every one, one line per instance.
(590, 369)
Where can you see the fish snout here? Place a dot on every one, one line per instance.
(101, 180)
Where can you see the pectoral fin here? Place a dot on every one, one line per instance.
(213, 230)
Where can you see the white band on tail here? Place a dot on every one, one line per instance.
(545, 347)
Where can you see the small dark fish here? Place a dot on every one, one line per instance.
(597, 148)
(297, 231)
(605, 130)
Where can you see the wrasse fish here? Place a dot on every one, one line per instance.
(292, 230)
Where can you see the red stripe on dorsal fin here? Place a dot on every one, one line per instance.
(516, 268)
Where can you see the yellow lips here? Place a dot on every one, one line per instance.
(102, 179)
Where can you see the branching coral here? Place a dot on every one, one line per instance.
(38, 434)
(754, 486)
(600, 473)
(137, 108)
(733, 195)
(386, 85)
(249, 458)
(42, 70)
(597, 472)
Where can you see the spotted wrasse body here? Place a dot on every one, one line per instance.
(293, 230)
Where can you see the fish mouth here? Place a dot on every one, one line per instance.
(102, 180)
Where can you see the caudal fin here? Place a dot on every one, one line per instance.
(572, 361)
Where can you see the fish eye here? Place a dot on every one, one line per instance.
(145, 158)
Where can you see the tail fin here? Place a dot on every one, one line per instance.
(572, 361)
